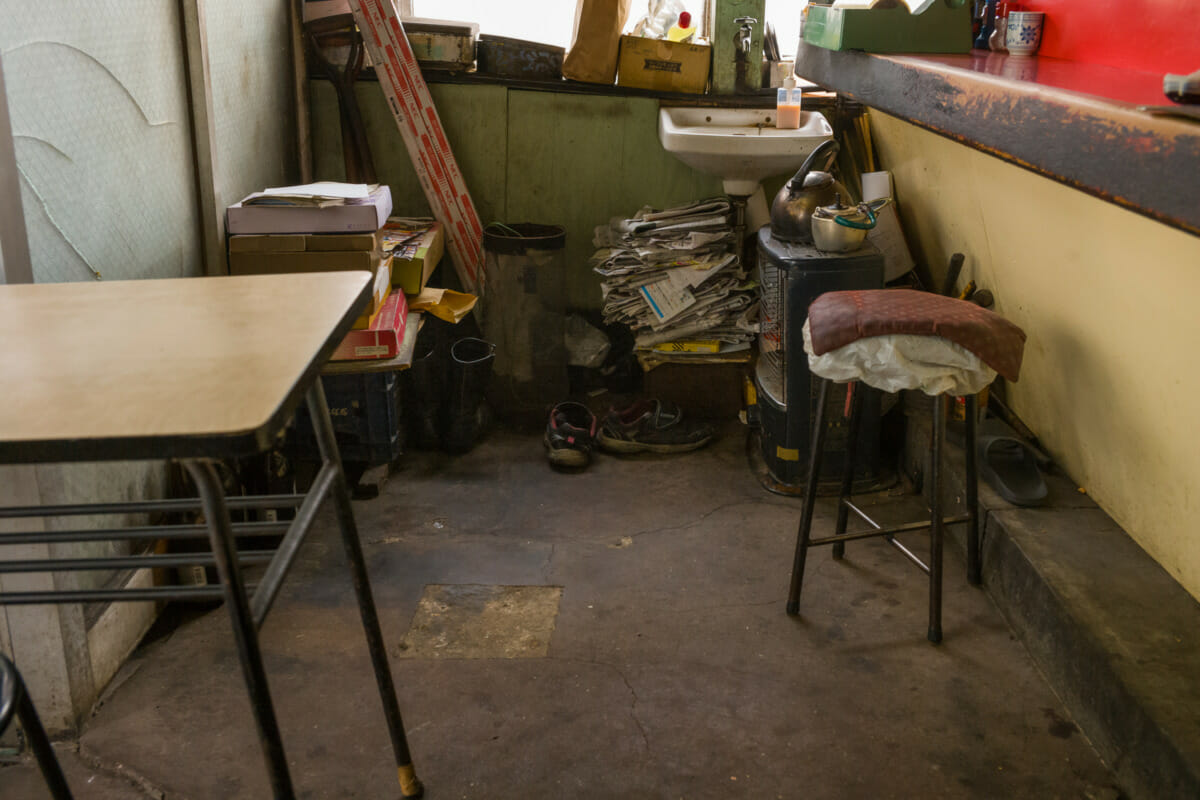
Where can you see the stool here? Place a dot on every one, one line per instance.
(837, 319)
(14, 700)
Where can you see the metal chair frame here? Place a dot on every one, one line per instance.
(247, 605)
(936, 522)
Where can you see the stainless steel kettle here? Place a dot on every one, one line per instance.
(811, 187)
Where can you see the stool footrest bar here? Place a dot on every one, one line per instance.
(909, 554)
(862, 514)
(905, 528)
(128, 562)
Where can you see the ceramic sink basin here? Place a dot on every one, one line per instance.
(739, 145)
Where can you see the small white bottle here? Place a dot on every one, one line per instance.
(787, 106)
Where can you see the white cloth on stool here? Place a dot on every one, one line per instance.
(903, 361)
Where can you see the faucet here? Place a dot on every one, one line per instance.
(741, 51)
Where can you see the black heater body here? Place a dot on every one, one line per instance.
(791, 276)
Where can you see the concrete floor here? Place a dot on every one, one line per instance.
(671, 671)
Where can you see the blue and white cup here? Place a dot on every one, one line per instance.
(1024, 34)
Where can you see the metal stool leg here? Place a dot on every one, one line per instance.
(936, 527)
(220, 533)
(14, 698)
(974, 562)
(410, 785)
(857, 389)
(810, 497)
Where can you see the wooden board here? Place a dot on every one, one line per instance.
(185, 367)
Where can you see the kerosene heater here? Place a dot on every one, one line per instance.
(792, 273)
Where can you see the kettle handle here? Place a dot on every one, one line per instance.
(824, 155)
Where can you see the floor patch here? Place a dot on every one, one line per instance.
(479, 621)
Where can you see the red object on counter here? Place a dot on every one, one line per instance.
(1157, 36)
(382, 339)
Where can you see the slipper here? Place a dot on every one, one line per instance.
(1009, 464)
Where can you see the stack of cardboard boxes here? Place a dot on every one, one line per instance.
(401, 253)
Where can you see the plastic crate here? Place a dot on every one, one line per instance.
(365, 413)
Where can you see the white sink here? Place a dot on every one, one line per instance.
(739, 145)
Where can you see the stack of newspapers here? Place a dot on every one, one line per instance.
(675, 278)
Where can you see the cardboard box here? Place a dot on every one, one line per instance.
(304, 242)
(663, 66)
(379, 294)
(275, 263)
(365, 216)
(382, 339)
(413, 263)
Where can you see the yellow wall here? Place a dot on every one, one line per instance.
(1108, 298)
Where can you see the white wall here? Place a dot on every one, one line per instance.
(1107, 297)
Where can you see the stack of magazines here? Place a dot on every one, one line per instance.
(675, 278)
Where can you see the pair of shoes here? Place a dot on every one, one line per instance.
(570, 435)
(651, 426)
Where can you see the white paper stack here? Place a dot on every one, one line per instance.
(674, 276)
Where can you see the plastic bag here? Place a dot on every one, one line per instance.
(587, 346)
(903, 361)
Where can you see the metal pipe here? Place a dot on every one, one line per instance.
(909, 554)
(863, 515)
(185, 593)
(145, 506)
(907, 527)
(138, 532)
(803, 541)
(129, 562)
(410, 785)
(974, 561)
(856, 406)
(272, 580)
(936, 526)
(221, 535)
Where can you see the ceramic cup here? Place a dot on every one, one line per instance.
(1024, 33)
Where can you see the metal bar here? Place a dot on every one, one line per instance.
(803, 541)
(17, 699)
(940, 409)
(112, 595)
(856, 407)
(221, 535)
(909, 554)
(144, 506)
(129, 562)
(863, 515)
(138, 532)
(272, 580)
(410, 785)
(907, 527)
(974, 562)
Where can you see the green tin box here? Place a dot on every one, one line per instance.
(944, 27)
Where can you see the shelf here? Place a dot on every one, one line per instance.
(1079, 124)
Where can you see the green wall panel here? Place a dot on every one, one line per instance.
(564, 159)
(579, 160)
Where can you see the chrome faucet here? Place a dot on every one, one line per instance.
(741, 51)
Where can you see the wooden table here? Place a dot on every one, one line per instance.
(192, 369)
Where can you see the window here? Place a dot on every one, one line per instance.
(552, 21)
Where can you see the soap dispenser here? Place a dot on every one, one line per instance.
(787, 106)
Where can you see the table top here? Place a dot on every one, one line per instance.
(175, 368)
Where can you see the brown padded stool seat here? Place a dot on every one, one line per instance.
(836, 319)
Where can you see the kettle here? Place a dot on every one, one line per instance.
(841, 229)
(811, 187)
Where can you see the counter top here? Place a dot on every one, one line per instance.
(1080, 124)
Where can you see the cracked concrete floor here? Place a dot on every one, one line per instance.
(672, 671)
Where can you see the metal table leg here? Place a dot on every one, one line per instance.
(14, 700)
(220, 532)
(410, 785)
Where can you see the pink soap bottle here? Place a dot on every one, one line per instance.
(787, 106)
